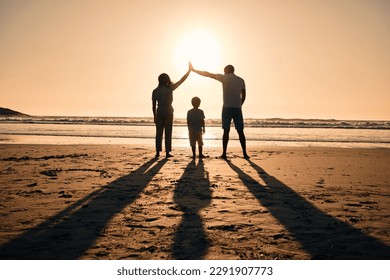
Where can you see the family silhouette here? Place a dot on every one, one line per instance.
(234, 95)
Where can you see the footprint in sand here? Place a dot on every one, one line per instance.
(320, 183)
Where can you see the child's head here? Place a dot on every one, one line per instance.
(195, 102)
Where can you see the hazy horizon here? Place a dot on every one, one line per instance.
(307, 59)
(183, 118)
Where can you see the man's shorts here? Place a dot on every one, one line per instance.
(228, 114)
(195, 136)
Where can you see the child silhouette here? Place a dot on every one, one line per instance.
(196, 127)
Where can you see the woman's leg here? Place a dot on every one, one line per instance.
(159, 134)
(168, 134)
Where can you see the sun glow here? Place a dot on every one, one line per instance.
(199, 47)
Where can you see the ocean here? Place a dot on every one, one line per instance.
(259, 132)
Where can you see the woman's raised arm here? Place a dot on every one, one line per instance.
(177, 84)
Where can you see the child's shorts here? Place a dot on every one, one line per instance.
(196, 136)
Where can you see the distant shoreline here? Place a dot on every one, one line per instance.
(6, 112)
(11, 116)
(148, 121)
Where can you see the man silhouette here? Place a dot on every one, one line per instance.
(234, 95)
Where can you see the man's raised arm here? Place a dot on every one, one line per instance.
(203, 73)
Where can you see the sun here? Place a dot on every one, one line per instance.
(201, 48)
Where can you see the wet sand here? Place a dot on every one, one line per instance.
(118, 202)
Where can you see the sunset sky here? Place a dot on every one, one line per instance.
(300, 59)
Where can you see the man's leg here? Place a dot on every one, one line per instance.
(243, 143)
(225, 140)
(226, 120)
(239, 124)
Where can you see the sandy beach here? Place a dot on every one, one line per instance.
(118, 202)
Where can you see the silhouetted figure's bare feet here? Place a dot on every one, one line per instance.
(224, 157)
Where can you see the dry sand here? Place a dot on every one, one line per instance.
(118, 202)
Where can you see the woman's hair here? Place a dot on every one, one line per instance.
(164, 80)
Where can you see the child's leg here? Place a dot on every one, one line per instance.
(200, 144)
(201, 151)
(193, 151)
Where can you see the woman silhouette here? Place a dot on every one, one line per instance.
(162, 99)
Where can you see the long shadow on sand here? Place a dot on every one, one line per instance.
(320, 234)
(70, 233)
(192, 193)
